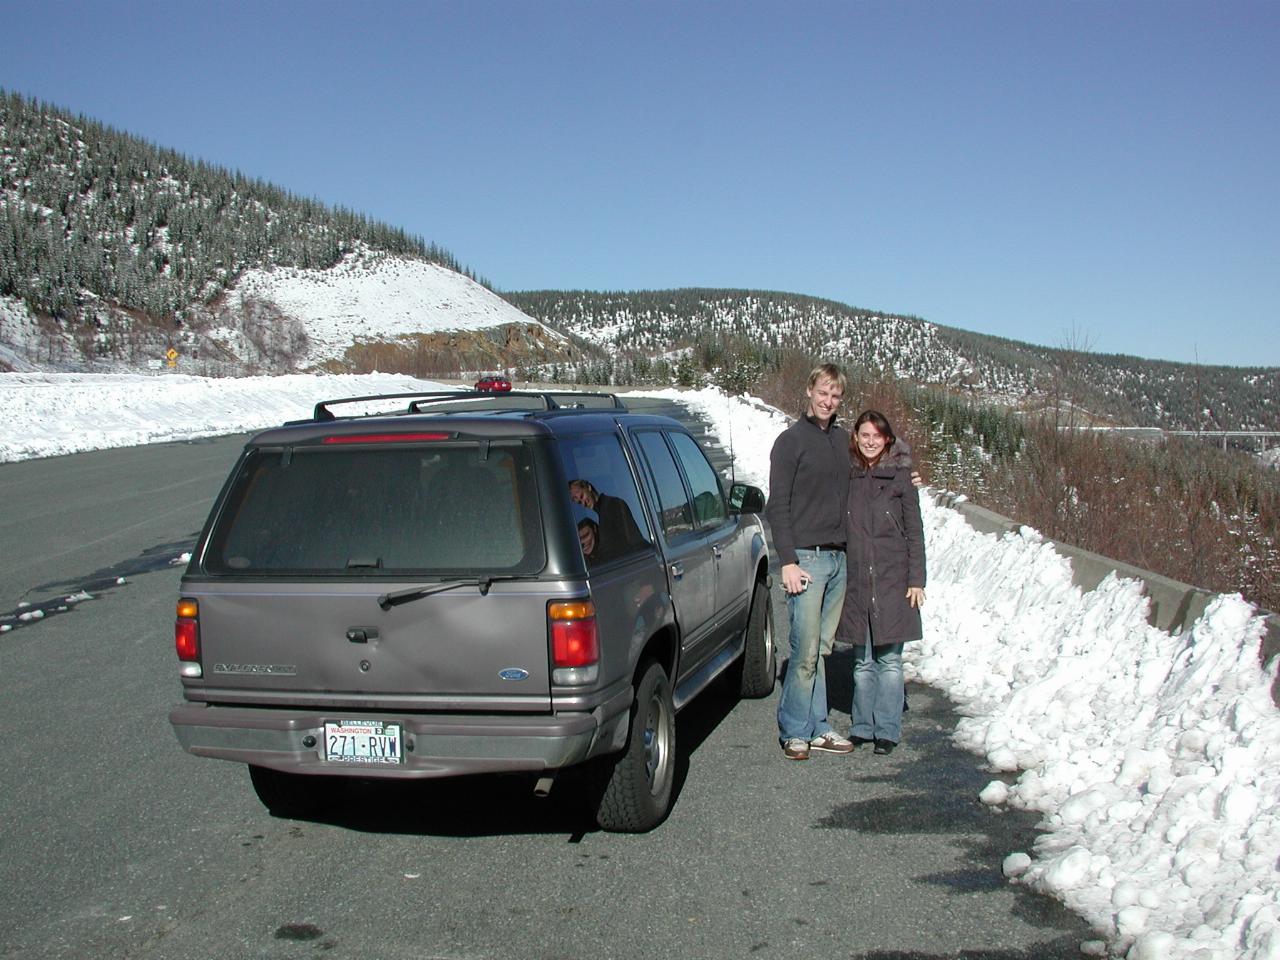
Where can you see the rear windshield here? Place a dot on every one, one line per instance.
(445, 508)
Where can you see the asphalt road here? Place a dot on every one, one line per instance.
(114, 843)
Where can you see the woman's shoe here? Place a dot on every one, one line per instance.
(884, 747)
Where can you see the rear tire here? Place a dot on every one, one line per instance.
(759, 668)
(637, 789)
(291, 796)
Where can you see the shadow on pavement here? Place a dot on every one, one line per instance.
(934, 790)
(500, 804)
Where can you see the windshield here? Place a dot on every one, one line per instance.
(442, 508)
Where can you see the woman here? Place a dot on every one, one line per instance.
(885, 581)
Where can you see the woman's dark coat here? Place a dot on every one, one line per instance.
(885, 551)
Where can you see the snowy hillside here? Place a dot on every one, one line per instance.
(294, 319)
(1114, 389)
(114, 252)
(373, 296)
(653, 322)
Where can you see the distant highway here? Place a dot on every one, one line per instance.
(1155, 433)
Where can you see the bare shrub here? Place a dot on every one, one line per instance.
(1181, 508)
(782, 384)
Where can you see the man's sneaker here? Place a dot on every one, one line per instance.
(796, 749)
(831, 742)
(884, 747)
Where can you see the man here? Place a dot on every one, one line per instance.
(808, 486)
(587, 530)
(617, 532)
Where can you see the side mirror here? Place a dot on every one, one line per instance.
(744, 498)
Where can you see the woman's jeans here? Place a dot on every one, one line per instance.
(814, 616)
(877, 691)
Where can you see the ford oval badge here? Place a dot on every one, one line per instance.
(513, 673)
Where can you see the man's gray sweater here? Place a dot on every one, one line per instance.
(808, 487)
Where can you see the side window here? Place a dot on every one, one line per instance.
(674, 510)
(607, 507)
(708, 498)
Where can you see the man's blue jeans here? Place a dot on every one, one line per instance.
(877, 691)
(814, 616)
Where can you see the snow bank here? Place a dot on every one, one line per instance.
(47, 414)
(1154, 759)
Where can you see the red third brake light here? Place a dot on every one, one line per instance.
(386, 437)
(186, 630)
(574, 641)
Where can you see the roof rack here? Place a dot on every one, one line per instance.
(468, 401)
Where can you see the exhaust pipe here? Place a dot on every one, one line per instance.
(543, 787)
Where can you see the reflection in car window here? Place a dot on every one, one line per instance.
(604, 491)
(673, 503)
(708, 498)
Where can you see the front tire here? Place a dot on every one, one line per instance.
(759, 668)
(637, 793)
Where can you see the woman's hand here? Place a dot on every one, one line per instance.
(915, 596)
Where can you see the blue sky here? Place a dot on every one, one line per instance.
(1085, 173)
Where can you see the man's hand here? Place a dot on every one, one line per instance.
(795, 579)
(915, 596)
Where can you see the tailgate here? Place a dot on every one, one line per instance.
(303, 643)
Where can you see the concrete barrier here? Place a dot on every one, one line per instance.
(1174, 606)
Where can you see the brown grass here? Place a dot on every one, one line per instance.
(1184, 509)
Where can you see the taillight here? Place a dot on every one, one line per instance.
(186, 637)
(575, 644)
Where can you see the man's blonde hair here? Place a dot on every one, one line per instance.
(828, 371)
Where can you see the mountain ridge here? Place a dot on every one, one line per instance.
(116, 254)
(1124, 390)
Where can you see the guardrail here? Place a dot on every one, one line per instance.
(1157, 433)
(1174, 605)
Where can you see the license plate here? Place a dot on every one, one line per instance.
(363, 741)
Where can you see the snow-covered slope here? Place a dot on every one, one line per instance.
(284, 319)
(374, 296)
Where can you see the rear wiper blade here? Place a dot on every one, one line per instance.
(408, 595)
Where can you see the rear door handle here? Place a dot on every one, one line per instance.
(717, 550)
(677, 570)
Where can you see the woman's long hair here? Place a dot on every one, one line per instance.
(881, 423)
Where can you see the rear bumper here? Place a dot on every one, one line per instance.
(435, 745)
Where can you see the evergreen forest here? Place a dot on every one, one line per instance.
(90, 216)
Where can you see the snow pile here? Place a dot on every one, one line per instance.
(745, 425)
(370, 296)
(1154, 759)
(47, 414)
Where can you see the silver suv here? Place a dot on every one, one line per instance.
(469, 584)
